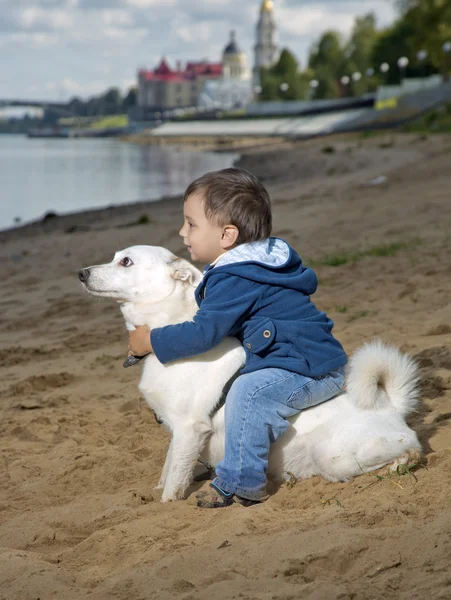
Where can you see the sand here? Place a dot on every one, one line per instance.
(81, 451)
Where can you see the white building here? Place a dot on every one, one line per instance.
(234, 89)
(266, 49)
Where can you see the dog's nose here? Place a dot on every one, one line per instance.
(83, 275)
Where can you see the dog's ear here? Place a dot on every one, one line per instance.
(184, 271)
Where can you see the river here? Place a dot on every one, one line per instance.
(70, 175)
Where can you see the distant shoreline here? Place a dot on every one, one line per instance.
(95, 218)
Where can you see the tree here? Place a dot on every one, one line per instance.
(429, 22)
(111, 102)
(131, 99)
(393, 43)
(283, 80)
(358, 54)
(328, 53)
(326, 60)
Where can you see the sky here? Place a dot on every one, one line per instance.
(57, 49)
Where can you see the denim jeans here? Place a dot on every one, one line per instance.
(257, 409)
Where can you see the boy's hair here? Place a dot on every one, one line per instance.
(236, 197)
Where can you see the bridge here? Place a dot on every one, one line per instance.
(33, 103)
(60, 108)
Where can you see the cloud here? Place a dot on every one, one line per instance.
(85, 44)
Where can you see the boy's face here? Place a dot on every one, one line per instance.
(205, 239)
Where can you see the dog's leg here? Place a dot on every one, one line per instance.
(187, 444)
(412, 456)
(166, 468)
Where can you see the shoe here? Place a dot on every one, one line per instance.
(218, 498)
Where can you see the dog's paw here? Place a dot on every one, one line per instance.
(410, 457)
(172, 496)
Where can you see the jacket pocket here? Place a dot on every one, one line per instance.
(261, 338)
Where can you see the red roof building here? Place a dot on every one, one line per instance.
(165, 88)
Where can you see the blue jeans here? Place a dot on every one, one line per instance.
(256, 412)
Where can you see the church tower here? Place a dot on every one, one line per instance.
(234, 61)
(266, 51)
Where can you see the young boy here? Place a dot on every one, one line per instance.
(255, 288)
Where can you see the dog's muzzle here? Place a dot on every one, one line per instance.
(83, 275)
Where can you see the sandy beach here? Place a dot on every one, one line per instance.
(81, 452)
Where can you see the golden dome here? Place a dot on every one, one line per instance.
(267, 5)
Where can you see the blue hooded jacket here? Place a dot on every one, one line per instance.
(260, 293)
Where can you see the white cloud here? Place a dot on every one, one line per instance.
(151, 3)
(82, 89)
(87, 44)
(199, 32)
(37, 18)
(117, 17)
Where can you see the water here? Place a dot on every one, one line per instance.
(70, 175)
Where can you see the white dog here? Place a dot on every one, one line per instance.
(354, 433)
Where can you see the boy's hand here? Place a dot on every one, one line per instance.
(139, 341)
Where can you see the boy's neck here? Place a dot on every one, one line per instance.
(212, 264)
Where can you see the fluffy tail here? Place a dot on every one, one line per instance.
(380, 376)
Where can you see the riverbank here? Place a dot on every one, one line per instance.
(205, 143)
(81, 451)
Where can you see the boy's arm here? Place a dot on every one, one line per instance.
(227, 300)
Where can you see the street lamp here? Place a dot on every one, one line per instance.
(284, 87)
(421, 56)
(402, 64)
(257, 91)
(447, 50)
(384, 68)
(369, 73)
(356, 76)
(313, 83)
(345, 82)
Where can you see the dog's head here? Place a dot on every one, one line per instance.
(147, 274)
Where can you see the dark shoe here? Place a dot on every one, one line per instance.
(218, 498)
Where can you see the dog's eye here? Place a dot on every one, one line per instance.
(126, 262)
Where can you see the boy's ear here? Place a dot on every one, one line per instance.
(229, 237)
(184, 271)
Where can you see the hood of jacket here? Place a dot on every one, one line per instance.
(270, 261)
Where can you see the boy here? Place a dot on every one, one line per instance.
(256, 289)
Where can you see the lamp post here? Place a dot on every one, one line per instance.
(257, 91)
(384, 68)
(284, 87)
(421, 56)
(402, 64)
(369, 73)
(345, 82)
(447, 50)
(356, 76)
(313, 83)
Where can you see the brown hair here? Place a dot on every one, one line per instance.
(236, 197)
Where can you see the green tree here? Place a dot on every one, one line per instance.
(283, 81)
(327, 60)
(430, 25)
(131, 99)
(358, 54)
(111, 102)
(393, 43)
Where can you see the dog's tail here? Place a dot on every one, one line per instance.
(380, 376)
